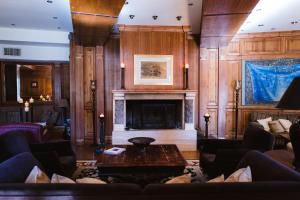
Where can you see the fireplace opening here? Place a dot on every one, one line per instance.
(153, 114)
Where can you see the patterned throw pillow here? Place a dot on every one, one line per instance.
(37, 176)
(286, 124)
(241, 175)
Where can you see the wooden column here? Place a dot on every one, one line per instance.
(76, 91)
(100, 96)
(56, 83)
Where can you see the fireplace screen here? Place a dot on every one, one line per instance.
(153, 114)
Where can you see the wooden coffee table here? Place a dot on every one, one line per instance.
(156, 160)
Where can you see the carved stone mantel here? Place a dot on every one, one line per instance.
(184, 138)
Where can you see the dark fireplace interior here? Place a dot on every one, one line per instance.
(153, 114)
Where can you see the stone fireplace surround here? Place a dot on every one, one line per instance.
(185, 138)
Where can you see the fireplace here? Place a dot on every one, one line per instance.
(153, 114)
(167, 116)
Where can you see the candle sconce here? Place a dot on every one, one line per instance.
(186, 76)
(122, 76)
(21, 101)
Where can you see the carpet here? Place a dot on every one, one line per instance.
(88, 168)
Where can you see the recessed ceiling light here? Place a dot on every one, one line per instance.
(273, 29)
(294, 22)
(190, 4)
(248, 22)
(13, 24)
(260, 25)
(58, 28)
(49, 1)
(126, 3)
(178, 18)
(242, 30)
(155, 17)
(131, 16)
(54, 17)
(259, 9)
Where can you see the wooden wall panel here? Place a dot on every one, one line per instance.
(155, 43)
(112, 75)
(258, 46)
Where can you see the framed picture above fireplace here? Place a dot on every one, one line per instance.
(153, 70)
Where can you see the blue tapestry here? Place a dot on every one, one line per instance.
(264, 82)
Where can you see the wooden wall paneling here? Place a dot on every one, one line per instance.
(112, 72)
(56, 83)
(65, 81)
(156, 43)
(213, 77)
(100, 76)
(292, 45)
(77, 93)
(259, 46)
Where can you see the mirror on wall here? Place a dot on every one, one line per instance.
(26, 81)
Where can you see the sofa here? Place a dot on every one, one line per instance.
(281, 140)
(271, 180)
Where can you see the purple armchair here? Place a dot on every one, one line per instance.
(33, 132)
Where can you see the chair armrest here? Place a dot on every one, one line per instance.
(228, 159)
(213, 145)
(50, 162)
(62, 148)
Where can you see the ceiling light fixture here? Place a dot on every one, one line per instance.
(13, 24)
(259, 9)
(294, 22)
(190, 4)
(260, 25)
(126, 3)
(49, 1)
(155, 17)
(131, 16)
(54, 17)
(58, 28)
(178, 18)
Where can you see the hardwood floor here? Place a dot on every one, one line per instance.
(86, 152)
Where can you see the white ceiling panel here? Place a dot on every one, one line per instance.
(166, 10)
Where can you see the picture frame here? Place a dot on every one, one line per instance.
(153, 69)
(34, 84)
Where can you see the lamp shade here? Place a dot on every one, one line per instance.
(291, 97)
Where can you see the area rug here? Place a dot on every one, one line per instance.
(88, 168)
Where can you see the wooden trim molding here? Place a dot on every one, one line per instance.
(123, 27)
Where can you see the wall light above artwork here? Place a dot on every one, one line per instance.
(153, 69)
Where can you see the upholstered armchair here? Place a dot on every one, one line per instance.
(56, 157)
(220, 156)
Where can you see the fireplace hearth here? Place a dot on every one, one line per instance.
(153, 114)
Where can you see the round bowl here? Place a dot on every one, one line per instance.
(141, 142)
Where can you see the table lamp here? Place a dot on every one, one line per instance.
(291, 100)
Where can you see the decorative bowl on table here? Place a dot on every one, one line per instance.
(141, 142)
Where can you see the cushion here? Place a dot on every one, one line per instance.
(37, 176)
(286, 124)
(276, 127)
(241, 175)
(61, 179)
(289, 147)
(264, 123)
(219, 179)
(53, 119)
(90, 181)
(186, 178)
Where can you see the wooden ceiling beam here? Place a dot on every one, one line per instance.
(221, 19)
(93, 20)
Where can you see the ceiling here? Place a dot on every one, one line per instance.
(273, 16)
(36, 14)
(166, 12)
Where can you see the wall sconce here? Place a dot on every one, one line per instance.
(122, 75)
(186, 76)
(21, 101)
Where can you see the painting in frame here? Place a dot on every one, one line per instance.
(265, 81)
(153, 69)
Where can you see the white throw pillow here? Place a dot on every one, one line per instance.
(219, 179)
(186, 178)
(265, 123)
(90, 181)
(286, 124)
(61, 179)
(37, 176)
(241, 175)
